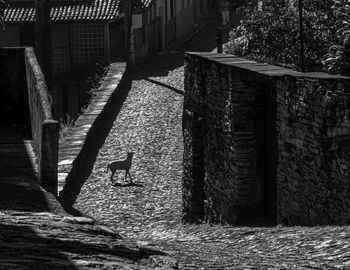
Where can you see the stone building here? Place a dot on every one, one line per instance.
(264, 143)
(84, 32)
(164, 21)
(80, 36)
(79, 29)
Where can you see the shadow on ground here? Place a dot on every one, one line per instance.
(84, 163)
(22, 247)
(34, 252)
(128, 184)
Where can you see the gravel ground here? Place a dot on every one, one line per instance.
(149, 212)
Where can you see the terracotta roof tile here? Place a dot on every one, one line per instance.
(146, 3)
(64, 10)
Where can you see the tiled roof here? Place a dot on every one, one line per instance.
(64, 10)
(146, 3)
(140, 4)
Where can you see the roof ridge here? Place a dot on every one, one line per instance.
(22, 11)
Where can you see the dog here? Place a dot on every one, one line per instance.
(124, 165)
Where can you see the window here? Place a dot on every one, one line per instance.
(60, 59)
(88, 42)
(60, 47)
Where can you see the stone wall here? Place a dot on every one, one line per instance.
(248, 154)
(25, 104)
(313, 157)
(44, 128)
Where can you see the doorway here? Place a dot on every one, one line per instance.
(266, 149)
(194, 171)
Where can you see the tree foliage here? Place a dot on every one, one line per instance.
(272, 34)
(337, 60)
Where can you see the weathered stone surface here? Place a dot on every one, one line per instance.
(36, 232)
(28, 110)
(45, 240)
(313, 186)
(44, 128)
(283, 132)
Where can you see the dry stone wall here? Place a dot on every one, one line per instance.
(219, 140)
(44, 128)
(313, 161)
(263, 140)
(25, 106)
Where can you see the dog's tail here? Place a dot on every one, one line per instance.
(107, 168)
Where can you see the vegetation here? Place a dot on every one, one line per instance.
(272, 34)
(93, 81)
(337, 60)
(95, 74)
(65, 125)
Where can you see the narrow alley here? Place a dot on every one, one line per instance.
(150, 125)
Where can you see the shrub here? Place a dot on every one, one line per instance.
(272, 35)
(65, 126)
(337, 60)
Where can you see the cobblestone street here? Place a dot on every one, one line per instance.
(150, 125)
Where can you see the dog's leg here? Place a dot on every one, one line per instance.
(112, 177)
(126, 175)
(130, 176)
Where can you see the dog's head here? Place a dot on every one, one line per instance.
(130, 154)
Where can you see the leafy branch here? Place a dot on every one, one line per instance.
(337, 59)
(272, 35)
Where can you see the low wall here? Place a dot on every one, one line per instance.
(263, 141)
(44, 128)
(78, 151)
(25, 94)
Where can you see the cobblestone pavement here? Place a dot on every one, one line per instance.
(149, 124)
(36, 233)
(43, 240)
